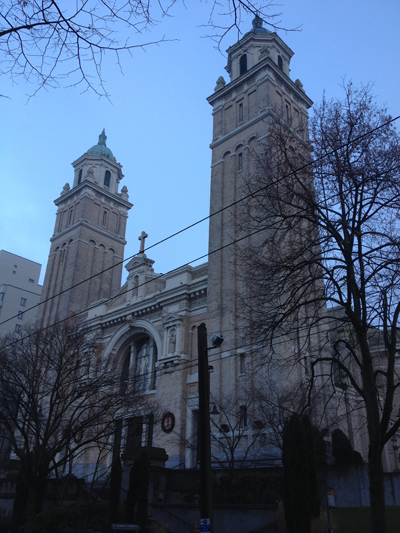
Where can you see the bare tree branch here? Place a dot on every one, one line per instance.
(60, 399)
(331, 241)
(53, 43)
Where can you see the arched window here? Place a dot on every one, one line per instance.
(135, 286)
(243, 64)
(280, 62)
(107, 178)
(70, 213)
(80, 176)
(138, 365)
(240, 161)
(193, 344)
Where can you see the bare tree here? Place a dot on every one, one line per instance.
(331, 237)
(59, 403)
(56, 43)
(274, 404)
(236, 434)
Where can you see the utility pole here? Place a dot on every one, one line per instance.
(206, 505)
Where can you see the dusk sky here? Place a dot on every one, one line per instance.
(159, 124)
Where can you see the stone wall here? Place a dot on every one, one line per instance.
(180, 518)
(351, 487)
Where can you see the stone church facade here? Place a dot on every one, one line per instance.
(149, 324)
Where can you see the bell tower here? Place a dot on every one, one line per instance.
(260, 88)
(87, 246)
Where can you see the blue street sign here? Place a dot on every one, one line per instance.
(205, 525)
(124, 527)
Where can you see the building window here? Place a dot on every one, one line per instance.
(20, 315)
(139, 364)
(243, 417)
(17, 328)
(104, 222)
(61, 221)
(23, 302)
(242, 363)
(107, 178)
(243, 64)
(31, 280)
(296, 117)
(240, 161)
(70, 216)
(1, 296)
(280, 63)
(80, 176)
(14, 271)
(287, 110)
(15, 266)
(240, 113)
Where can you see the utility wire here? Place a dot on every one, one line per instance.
(187, 365)
(119, 293)
(252, 193)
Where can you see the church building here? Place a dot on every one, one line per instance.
(150, 323)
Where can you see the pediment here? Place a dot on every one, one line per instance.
(171, 318)
(139, 261)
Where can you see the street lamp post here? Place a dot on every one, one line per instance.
(206, 505)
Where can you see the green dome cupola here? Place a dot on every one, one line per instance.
(100, 148)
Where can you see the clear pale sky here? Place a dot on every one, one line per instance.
(159, 123)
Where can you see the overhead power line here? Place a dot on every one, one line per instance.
(249, 195)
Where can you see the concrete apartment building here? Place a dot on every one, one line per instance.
(19, 291)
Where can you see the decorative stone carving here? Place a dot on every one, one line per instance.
(90, 173)
(172, 341)
(154, 317)
(66, 188)
(198, 303)
(299, 85)
(264, 52)
(220, 84)
(130, 319)
(124, 192)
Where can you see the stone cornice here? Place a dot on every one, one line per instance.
(259, 38)
(153, 310)
(87, 224)
(97, 157)
(244, 126)
(91, 184)
(269, 111)
(266, 62)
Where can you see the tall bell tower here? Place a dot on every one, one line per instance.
(259, 87)
(87, 246)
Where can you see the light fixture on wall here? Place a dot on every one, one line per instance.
(214, 410)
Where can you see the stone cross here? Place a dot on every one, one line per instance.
(142, 239)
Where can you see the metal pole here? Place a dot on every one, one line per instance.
(206, 507)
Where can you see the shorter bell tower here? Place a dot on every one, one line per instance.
(87, 247)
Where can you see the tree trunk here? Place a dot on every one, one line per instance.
(37, 494)
(20, 502)
(376, 489)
